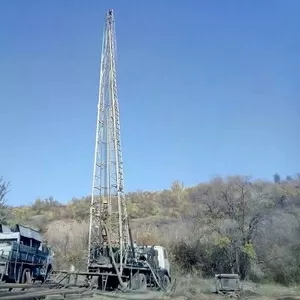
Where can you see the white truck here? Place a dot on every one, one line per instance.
(157, 261)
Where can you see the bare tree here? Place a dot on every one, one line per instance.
(236, 208)
(4, 189)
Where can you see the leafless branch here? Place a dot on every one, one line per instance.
(4, 189)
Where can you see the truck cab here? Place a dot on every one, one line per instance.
(163, 259)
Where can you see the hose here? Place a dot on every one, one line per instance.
(122, 284)
(154, 275)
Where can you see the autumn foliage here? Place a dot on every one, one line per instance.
(233, 224)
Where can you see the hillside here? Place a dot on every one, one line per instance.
(228, 224)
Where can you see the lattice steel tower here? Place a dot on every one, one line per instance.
(108, 215)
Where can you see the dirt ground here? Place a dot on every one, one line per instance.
(194, 289)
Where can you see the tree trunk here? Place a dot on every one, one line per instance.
(237, 259)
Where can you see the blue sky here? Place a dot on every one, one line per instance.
(206, 87)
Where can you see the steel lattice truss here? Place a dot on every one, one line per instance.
(108, 216)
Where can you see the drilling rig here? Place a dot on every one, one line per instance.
(113, 256)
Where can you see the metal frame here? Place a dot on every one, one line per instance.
(219, 283)
(108, 213)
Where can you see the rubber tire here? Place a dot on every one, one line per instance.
(142, 282)
(24, 278)
(165, 282)
(139, 282)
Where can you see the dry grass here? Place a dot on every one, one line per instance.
(69, 242)
(69, 239)
(191, 288)
(276, 291)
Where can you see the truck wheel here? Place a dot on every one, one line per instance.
(139, 282)
(165, 282)
(142, 282)
(26, 276)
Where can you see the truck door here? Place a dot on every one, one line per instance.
(166, 261)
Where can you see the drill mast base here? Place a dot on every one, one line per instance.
(141, 271)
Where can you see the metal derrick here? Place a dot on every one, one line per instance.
(108, 215)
